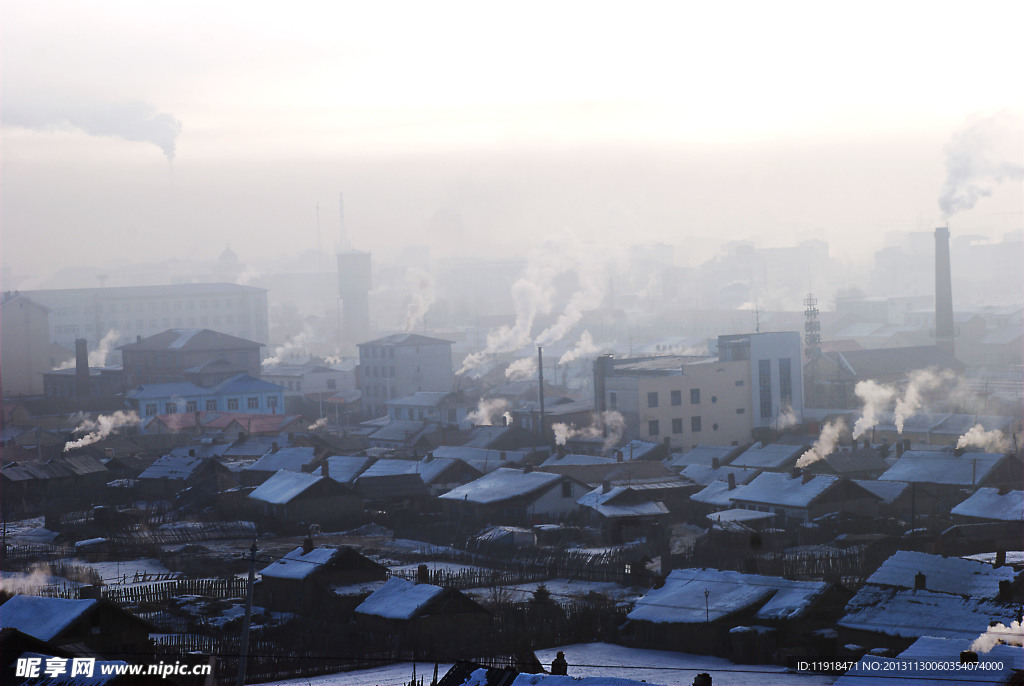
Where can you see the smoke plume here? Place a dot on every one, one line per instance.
(585, 347)
(825, 445)
(592, 291)
(994, 441)
(1000, 633)
(318, 424)
(921, 381)
(610, 421)
(293, 349)
(489, 411)
(128, 120)
(521, 368)
(97, 357)
(422, 285)
(101, 428)
(976, 162)
(786, 418)
(876, 397)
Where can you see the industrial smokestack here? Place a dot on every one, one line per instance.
(81, 368)
(540, 367)
(944, 331)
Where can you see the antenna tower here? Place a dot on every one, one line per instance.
(812, 328)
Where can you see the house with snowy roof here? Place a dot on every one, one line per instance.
(915, 594)
(858, 462)
(171, 474)
(238, 393)
(774, 457)
(292, 459)
(939, 661)
(992, 504)
(623, 512)
(298, 497)
(253, 447)
(709, 455)
(346, 468)
(423, 609)
(304, 578)
(699, 608)
(484, 460)
(512, 496)
(92, 627)
(800, 496)
(944, 474)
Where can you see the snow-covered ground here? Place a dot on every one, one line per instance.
(123, 571)
(436, 565)
(601, 660)
(562, 591)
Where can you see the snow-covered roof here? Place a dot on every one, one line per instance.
(576, 459)
(703, 455)
(932, 648)
(987, 503)
(390, 467)
(283, 486)
(740, 516)
(780, 488)
(943, 574)
(887, 491)
(936, 467)
(901, 612)
(483, 459)
(705, 474)
(771, 456)
(296, 565)
(172, 467)
(683, 599)
(345, 468)
(398, 599)
(293, 459)
(715, 493)
(618, 503)
(502, 484)
(432, 469)
(43, 618)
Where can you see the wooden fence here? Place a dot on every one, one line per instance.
(161, 591)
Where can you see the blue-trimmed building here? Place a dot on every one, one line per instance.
(240, 393)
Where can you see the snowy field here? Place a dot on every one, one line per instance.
(600, 660)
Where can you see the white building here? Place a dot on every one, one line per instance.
(400, 365)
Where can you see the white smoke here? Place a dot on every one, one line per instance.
(318, 424)
(130, 121)
(101, 428)
(593, 287)
(976, 162)
(29, 582)
(921, 381)
(786, 418)
(610, 422)
(522, 368)
(333, 359)
(293, 349)
(97, 357)
(488, 411)
(876, 398)
(826, 444)
(585, 347)
(422, 285)
(1000, 633)
(977, 437)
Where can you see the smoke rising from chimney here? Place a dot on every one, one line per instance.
(585, 347)
(921, 381)
(422, 285)
(101, 428)
(318, 424)
(521, 369)
(1000, 633)
(876, 397)
(128, 120)
(993, 441)
(98, 357)
(786, 418)
(610, 421)
(489, 411)
(976, 162)
(825, 445)
(294, 349)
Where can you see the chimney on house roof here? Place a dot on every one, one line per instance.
(807, 475)
(606, 486)
(919, 581)
(715, 463)
(307, 545)
(731, 480)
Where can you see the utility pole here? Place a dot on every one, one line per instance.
(244, 655)
(540, 368)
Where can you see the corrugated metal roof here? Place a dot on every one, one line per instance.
(295, 459)
(284, 486)
(502, 484)
(173, 467)
(771, 456)
(778, 488)
(934, 467)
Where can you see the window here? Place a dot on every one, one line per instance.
(612, 401)
(677, 425)
(785, 382)
(741, 410)
(714, 427)
(652, 427)
(739, 383)
(211, 405)
(677, 397)
(566, 489)
(331, 384)
(272, 403)
(170, 408)
(652, 399)
(764, 378)
(232, 403)
(695, 396)
(150, 409)
(714, 399)
(253, 403)
(695, 424)
(191, 406)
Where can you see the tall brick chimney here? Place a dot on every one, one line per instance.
(81, 368)
(944, 330)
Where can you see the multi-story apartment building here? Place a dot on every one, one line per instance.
(402, 364)
(754, 382)
(133, 311)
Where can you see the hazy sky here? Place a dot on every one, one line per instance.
(481, 124)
